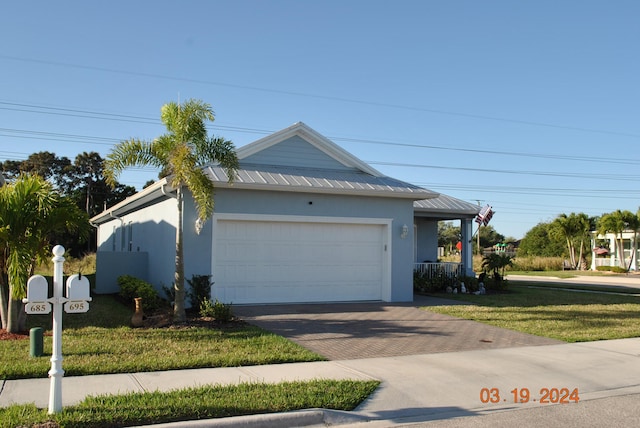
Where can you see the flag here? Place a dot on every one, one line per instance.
(484, 216)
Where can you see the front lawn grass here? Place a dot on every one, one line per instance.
(196, 403)
(101, 341)
(569, 316)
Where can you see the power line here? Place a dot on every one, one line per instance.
(141, 119)
(324, 97)
(516, 172)
(82, 139)
(495, 152)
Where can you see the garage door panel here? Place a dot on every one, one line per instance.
(277, 262)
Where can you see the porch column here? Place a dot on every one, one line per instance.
(614, 251)
(466, 256)
(634, 253)
(593, 253)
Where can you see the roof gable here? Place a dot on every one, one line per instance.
(301, 146)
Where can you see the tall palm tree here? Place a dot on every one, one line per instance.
(180, 152)
(30, 212)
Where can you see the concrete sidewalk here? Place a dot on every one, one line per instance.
(613, 281)
(414, 389)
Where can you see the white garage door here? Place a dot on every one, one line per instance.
(283, 261)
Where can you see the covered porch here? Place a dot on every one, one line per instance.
(427, 213)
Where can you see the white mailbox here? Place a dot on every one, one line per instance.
(77, 294)
(37, 301)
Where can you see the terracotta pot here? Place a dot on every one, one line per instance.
(136, 319)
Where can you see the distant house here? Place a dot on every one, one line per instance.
(605, 251)
(304, 221)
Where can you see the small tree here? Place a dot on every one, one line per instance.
(496, 264)
(30, 212)
(180, 153)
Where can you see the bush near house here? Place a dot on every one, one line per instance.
(200, 289)
(132, 287)
(426, 282)
(220, 311)
(614, 269)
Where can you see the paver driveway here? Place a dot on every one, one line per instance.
(344, 331)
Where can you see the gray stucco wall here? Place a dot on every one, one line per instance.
(427, 240)
(110, 265)
(153, 231)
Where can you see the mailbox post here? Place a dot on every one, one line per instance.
(37, 302)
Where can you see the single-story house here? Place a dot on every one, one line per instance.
(304, 221)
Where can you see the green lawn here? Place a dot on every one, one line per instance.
(101, 341)
(565, 315)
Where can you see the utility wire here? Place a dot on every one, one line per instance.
(317, 96)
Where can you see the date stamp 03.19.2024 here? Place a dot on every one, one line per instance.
(524, 395)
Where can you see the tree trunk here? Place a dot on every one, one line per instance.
(4, 306)
(179, 314)
(12, 318)
(22, 317)
(633, 251)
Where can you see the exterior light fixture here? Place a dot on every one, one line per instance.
(405, 231)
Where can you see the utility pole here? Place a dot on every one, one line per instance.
(479, 226)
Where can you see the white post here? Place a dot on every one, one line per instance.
(56, 373)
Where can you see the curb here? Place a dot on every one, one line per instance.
(298, 418)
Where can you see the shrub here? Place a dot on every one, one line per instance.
(169, 293)
(614, 269)
(470, 283)
(220, 311)
(132, 287)
(425, 282)
(200, 289)
(533, 264)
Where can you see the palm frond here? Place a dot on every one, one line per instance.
(129, 153)
(219, 150)
(202, 191)
(186, 121)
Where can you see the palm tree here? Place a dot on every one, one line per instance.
(30, 212)
(497, 263)
(616, 223)
(180, 153)
(573, 228)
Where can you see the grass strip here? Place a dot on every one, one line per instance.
(557, 314)
(205, 402)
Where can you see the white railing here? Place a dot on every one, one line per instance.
(432, 270)
(606, 261)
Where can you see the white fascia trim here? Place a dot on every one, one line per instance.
(314, 138)
(157, 186)
(302, 219)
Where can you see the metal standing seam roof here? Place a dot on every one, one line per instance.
(445, 204)
(317, 181)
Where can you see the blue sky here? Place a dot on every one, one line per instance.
(532, 107)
